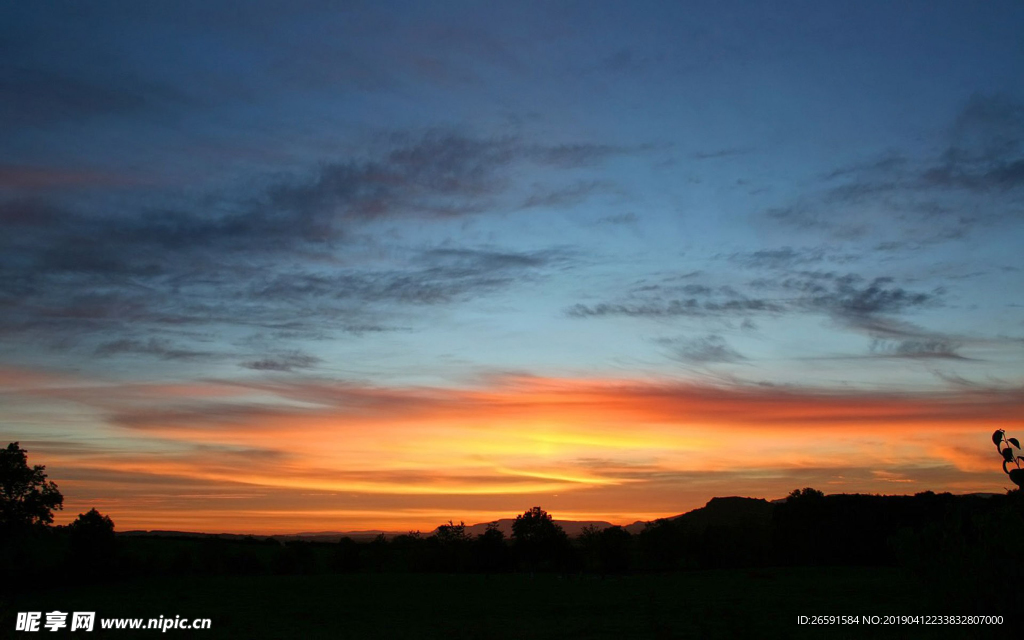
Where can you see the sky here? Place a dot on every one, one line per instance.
(272, 267)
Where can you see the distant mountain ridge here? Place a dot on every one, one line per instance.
(571, 527)
(718, 512)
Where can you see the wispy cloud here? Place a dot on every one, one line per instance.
(971, 183)
(926, 348)
(522, 436)
(283, 362)
(690, 307)
(707, 349)
(41, 96)
(68, 271)
(566, 196)
(789, 257)
(722, 153)
(153, 347)
(848, 297)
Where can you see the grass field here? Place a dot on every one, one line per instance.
(707, 604)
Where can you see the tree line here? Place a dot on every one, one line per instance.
(949, 540)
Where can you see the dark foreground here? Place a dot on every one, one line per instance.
(726, 603)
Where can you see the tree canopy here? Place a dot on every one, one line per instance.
(535, 525)
(806, 493)
(93, 522)
(451, 533)
(27, 498)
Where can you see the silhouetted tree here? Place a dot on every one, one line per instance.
(588, 535)
(92, 543)
(449, 534)
(92, 529)
(540, 543)
(26, 497)
(492, 553)
(535, 525)
(293, 557)
(807, 493)
(411, 552)
(661, 545)
(1016, 474)
(958, 548)
(605, 550)
(346, 556)
(377, 552)
(804, 529)
(453, 543)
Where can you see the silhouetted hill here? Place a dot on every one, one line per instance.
(730, 512)
(882, 513)
(961, 545)
(726, 511)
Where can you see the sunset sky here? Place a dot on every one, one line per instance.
(273, 267)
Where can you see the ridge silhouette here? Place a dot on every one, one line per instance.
(957, 545)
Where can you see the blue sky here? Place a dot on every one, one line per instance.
(823, 198)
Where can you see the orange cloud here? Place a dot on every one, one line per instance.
(621, 448)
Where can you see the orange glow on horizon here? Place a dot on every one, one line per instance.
(311, 455)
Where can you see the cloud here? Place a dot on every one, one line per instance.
(483, 260)
(847, 296)
(284, 362)
(677, 295)
(775, 258)
(891, 328)
(429, 286)
(571, 156)
(858, 303)
(299, 438)
(923, 345)
(788, 257)
(208, 265)
(885, 165)
(566, 196)
(39, 96)
(131, 285)
(933, 348)
(722, 153)
(620, 219)
(242, 295)
(961, 175)
(31, 178)
(990, 127)
(986, 149)
(435, 175)
(440, 174)
(708, 349)
(433, 276)
(690, 307)
(972, 182)
(275, 404)
(162, 349)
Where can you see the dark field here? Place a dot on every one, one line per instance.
(737, 568)
(726, 603)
